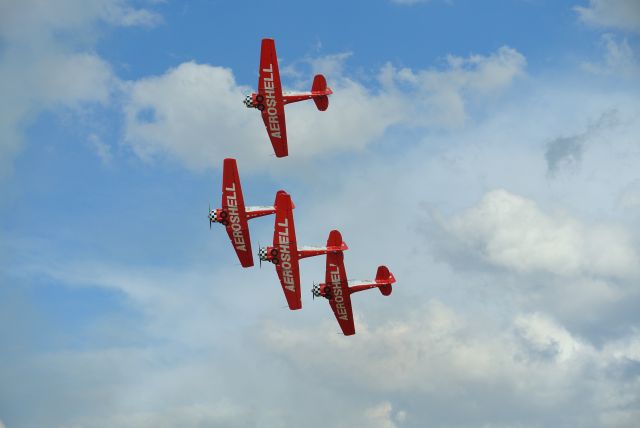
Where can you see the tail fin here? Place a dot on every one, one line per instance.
(335, 242)
(320, 85)
(335, 239)
(386, 278)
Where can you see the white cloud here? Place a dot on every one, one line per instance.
(510, 231)
(194, 111)
(31, 21)
(47, 61)
(543, 335)
(620, 14)
(434, 356)
(380, 416)
(424, 351)
(496, 353)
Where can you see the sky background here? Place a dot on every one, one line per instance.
(487, 152)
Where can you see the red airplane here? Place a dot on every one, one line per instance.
(338, 290)
(234, 215)
(271, 101)
(285, 254)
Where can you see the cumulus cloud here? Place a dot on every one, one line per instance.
(439, 97)
(194, 112)
(545, 337)
(619, 14)
(452, 347)
(42, 68)
(180, 113)
(435, 355)
(511, 232)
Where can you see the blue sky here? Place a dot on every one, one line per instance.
(487, 152)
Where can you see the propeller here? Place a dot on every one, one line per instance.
(259, 258)
(209, 216)
(313, 292)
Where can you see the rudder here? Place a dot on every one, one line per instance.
(386, 278)
(320, 85)
(335, 239)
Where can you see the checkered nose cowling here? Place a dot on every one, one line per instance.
(316, 290)
(262, 254)
(248, 102)
(212, 216)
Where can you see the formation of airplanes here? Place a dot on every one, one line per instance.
(285, 253)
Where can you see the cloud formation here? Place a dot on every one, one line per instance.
(434, 355)
(510, 231)
(181, 112)
(41, 68)
(618, 14)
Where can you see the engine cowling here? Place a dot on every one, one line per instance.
(321, 290)
(215, 216)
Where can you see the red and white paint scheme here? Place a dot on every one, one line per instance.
(271, 101)
(338, 290)
(285, 254)
(234, 215)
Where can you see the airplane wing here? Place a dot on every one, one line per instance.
(233, 204)
(270, 89)
(284, 240)
(339, 299)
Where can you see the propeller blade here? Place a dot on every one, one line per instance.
(209, 215)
